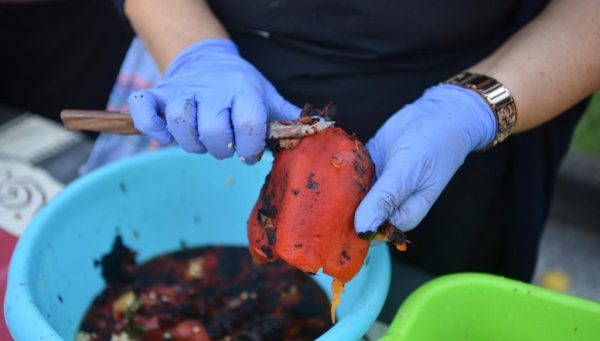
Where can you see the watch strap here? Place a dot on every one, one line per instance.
(498, 98)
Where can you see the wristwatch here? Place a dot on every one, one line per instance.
(496, 96)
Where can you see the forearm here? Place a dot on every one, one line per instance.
(552, 63)
(167, 27)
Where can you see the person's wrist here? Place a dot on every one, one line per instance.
(202, 48)
(497, 97)
(480, 119)
(468, 111)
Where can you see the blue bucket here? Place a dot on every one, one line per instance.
(154, 201)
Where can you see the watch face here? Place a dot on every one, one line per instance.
(503, 119)
(507, 117)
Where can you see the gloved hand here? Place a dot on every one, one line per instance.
(418, 150)
(212, 100)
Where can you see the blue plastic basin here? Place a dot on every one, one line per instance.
(154, 201)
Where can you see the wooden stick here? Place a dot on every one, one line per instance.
(99, 121)
(121, 123)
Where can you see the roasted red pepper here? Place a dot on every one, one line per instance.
(305, 211)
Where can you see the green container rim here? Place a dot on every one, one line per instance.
(408, 314)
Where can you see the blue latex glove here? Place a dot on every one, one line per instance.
(212, 100)
(418, 150)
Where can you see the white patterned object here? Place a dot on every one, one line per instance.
(24, 189)
(33, 138)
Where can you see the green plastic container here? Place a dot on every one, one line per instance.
(474, 306)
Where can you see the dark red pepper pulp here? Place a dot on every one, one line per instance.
(209, 293)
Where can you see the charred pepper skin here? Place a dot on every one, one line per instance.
(305, 210)
(203, 294)
(307, 205)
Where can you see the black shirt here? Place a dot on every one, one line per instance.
(371, 57)
(60, 54)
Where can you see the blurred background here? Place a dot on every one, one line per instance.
(570, 255)
(45, 70)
